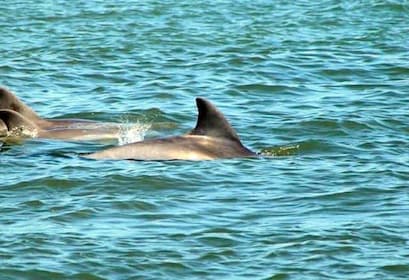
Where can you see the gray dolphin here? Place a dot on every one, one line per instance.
(18, 119)
(212, 138)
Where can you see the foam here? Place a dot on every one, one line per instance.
(132, 132)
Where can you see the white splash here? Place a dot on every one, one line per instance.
(22, 131)
(132, 132)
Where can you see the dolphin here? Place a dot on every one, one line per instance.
(14, 124)
(18, 119)
(212, 138)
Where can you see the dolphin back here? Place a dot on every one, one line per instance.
(212, 138)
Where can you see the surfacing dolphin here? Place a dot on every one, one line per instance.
(19, 120)
(212, 138)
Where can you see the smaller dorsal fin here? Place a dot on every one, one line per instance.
(3, 129)
(211, 122)
(10, 101)
(14, 121)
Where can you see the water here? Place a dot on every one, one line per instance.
(321, 85)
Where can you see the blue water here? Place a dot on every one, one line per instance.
(322, 85)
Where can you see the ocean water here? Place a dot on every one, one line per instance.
(323, 86)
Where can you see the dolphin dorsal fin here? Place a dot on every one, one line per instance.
(211, 122)
(8, 100)
(3, 129)
(14, 121)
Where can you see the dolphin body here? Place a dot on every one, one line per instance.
(19, 120)
(212, 138)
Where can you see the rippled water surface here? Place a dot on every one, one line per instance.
(321, 85)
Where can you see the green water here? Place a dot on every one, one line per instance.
(322, 85)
